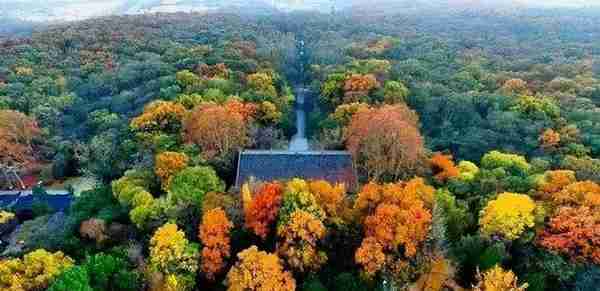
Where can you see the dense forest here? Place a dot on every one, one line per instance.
(475, 135)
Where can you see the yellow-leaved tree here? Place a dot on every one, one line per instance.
(173, 258)
(498, 279)
(508, 216)
(34, 272)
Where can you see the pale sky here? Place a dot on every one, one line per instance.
(60, 10)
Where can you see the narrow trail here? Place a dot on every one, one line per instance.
(299, 142)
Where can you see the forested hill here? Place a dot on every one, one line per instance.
(474, 133)
(77, 76)
(11, 28)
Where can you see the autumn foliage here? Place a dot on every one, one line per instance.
(357, 86)
(343, 114)
(508, 216)
(214, 235)
(394, 226)
(246, 110)
(498, 279)
(573, 231)
(167, 247)
(515, 87)
(437, 277)
(549, 140)
(385, 142)
(219, 70)
(160, 116)
(443, 167)
(219, 130)
(17, 132)
(586, 193)
(297, 196)
(370, 256)
(360, 83)
(262, 84)
(329, 197)
(555, 181)
(398, 215)
(34, 272)
(403, 194)
(173, 258)
(168, 164)
(299, 239)
(261, 211)
(259, 271)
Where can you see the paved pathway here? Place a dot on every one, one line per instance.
(299, 141)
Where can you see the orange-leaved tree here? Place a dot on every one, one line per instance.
(219, 130)
(403, 194)
(257, 271)
(330, 197)
(397, 215)
(555, 181)
(585, 193)
(245, 109)
(17, 132)
(514, 87)
(549, 140)
(357, 86)
(393, 226)
(299, 242)
(443, 167)
(214, 235)
(385, 142)
(167, 164)
(261, 211)
(370, 256)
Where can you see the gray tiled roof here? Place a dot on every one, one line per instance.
(332, 166)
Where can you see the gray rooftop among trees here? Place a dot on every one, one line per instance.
(332, 166)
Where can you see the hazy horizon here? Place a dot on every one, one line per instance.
(68, 10)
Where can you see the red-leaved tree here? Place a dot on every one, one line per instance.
(261, 211)
(574, 231)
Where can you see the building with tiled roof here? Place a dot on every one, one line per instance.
(25, 201)
(332, 166)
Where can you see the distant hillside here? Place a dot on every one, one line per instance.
(14, 27)
(69, 10)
